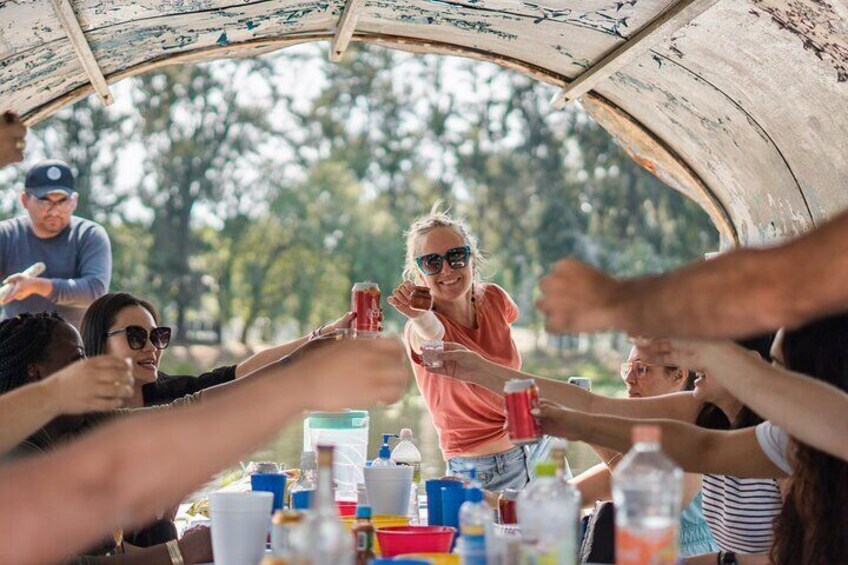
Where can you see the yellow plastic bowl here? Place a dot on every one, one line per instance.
(379, 521)
(434, 558)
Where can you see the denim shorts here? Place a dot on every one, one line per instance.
(497, 472)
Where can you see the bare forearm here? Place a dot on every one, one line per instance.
(120, 487)
(593, 484)
(266, 356)
(811, 411)
(744, 292)
(680, 406)
(22, 412)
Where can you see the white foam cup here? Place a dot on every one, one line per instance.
(240, 526)
(388, 489)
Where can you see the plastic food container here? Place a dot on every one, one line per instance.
(379, 521)
(348, 432)
(398, 540)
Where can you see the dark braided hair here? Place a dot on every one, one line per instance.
(24, 340)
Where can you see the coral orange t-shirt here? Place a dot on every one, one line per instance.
(468, 415)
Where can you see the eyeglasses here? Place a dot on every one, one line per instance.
(431, 264)
(45, 204)
(640, 368)
(137, 336)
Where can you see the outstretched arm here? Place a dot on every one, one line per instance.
(463, 364)
(735, 295)
(91, 385)
(272, 354)
(695, 449)
(108, 482)
(811, 411)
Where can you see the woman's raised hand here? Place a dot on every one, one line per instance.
(340, 324)
(400, 299)
(91, 385)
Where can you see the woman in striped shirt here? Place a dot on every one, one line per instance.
(740, 511)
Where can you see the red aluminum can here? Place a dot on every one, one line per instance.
(507, 509)
(365, 303)
(521, 396)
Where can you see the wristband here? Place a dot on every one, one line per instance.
(428, 326)
(174, 553)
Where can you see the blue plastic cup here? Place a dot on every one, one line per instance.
(434, 498)
(275, 483)
(452, 499)
(302, 500)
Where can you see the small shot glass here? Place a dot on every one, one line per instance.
(430, 351)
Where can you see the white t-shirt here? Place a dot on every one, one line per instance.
(774, 442)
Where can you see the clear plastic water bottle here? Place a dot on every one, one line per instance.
(405, 453)
(548, 514)
(308, 479)
(475, 517)
(322, 539)
(647, 489)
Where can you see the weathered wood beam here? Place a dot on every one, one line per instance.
(658, 30)
(69, 21)
(344, 32)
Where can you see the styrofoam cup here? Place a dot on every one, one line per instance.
(388, 489)
(240, 526)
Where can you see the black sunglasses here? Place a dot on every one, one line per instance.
(431, 264)
(137, 336)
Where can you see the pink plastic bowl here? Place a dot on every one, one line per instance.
(397, 540)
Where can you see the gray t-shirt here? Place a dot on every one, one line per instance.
(774, 442)
(78, 260)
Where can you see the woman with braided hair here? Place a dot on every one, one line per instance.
(29, 400)
(41, 350)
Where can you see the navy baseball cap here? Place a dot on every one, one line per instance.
(48, 177)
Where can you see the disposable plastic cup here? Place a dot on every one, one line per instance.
(434, 488)
(452, 499)
(388, 489)
(240, 526)
(275, 483)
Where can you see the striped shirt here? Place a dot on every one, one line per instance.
(741, 512)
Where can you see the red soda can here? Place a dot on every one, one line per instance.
(507, 509)
(365, 303)
(521, 396)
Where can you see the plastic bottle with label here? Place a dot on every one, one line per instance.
(647, 489)
(475, 518)
(406, 453)
(548, 514)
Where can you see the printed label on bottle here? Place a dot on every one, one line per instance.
(645, 546)
(364, 541)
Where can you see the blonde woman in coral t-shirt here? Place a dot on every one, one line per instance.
(443, 255)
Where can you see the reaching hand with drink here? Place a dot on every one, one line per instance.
(91, 385)
(579, 298)
(560, 421)
(196, 545)
(458, 362)
(355, 372)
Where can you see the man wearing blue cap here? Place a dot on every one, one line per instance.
(76, 253)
